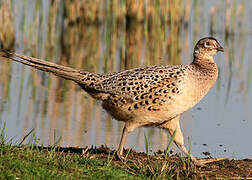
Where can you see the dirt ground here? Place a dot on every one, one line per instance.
(228, 168)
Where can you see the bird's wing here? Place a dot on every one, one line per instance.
(141, 81)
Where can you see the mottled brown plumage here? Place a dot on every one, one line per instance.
(154, 95)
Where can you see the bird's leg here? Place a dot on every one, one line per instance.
(122, 142)
(172, 126)
(184, 150)
(198, 162)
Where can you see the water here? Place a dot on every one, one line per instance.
(58, 109)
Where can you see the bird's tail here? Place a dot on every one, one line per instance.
(59, 70)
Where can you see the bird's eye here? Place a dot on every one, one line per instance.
(207, 44)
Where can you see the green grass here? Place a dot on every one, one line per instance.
(36, 162)
(33, 163)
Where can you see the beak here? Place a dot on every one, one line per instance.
(220, 49)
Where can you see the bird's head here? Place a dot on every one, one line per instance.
(206, 48)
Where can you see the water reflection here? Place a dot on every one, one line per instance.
(65, 34)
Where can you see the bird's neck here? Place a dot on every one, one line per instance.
(203, 74)
(206, 63)
(206, 67)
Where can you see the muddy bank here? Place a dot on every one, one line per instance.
(174, 164)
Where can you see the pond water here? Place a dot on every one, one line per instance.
(220, 124)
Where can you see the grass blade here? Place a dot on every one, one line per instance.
(146, 144)
(169, 144)
(25, 137)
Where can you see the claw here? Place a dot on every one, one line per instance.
(119, 156)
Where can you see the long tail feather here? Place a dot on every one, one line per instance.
(58, 70)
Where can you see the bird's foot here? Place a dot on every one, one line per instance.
(119, 156)
(203, 162)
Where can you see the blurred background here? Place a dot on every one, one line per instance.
(114, 35)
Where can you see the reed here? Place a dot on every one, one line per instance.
(7, 38)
